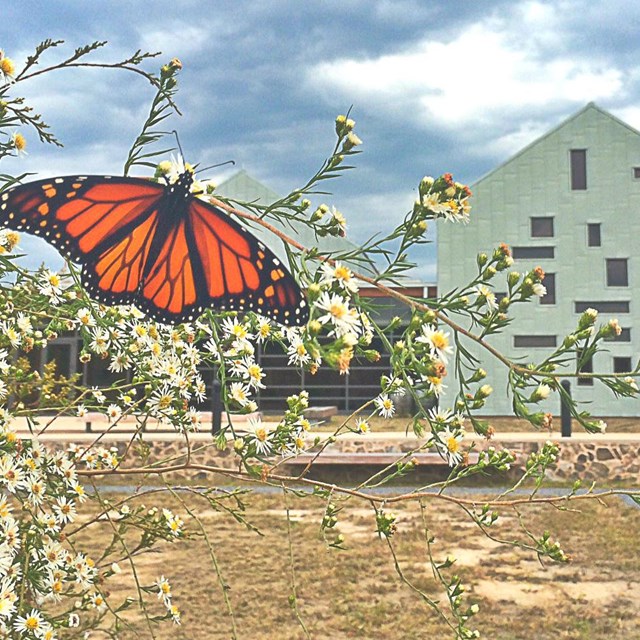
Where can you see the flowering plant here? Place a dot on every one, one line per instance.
(49, 588)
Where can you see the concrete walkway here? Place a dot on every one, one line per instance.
(88, 428)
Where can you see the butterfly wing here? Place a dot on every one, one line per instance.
(239, 271)
(103, 222)
(171, 257)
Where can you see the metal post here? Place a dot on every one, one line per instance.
(565, 413)
(216, 404)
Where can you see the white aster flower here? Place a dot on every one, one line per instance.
(232, 327)
(240, 393)
(539, 289)
(340, 274)
(250, 371)
(164, 589)
(85, 317)
(487, 296)
(297, 352)
(65, 510)
(432, 202)
(264, 329)
(437, 340)
(448, 443)
(259, 436)
(385, 405)
(11, 475)
(23, 323)
(31, 623)
(338, 313)
(114, 412)
(50, 285)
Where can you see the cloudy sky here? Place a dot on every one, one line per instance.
(449, 85)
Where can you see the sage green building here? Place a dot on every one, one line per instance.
(569, 203)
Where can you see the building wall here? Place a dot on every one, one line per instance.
(537, 182)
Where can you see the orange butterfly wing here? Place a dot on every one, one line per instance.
(154, 246)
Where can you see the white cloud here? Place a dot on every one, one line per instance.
(630, 115)
(182, 39)
(500, 67)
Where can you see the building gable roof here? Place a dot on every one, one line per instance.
(243, 187)
(591, 106)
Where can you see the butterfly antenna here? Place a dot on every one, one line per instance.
(175, 133)
(213, 166)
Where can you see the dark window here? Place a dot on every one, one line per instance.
(606, 306)
(617, 274)
(621, 365)
(636, 172)
(534, 341)
(550, 283)
(533, 253)
(60, 353)
(593, 235)
(625, 336)
(542, 227)
(587, 367)
(578, 169)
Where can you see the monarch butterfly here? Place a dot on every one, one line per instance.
(155, 245)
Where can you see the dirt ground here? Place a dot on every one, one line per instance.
(357, 593)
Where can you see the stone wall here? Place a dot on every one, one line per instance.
(602, 458)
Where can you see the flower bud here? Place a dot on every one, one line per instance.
(350, 142)
(587, 319)
(484, 391)
(513, 279)
(541, 393)
(488, 273)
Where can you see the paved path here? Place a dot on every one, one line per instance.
(86, 429)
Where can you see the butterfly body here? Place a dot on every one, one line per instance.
(156, 246)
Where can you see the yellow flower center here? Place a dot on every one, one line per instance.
(7, 67)
(13, 237)
(261, 434)
(31, 623)
(254, 372)
(342, 273)
(19, 142)
(453, 445)
(439, 340)
(338, 310)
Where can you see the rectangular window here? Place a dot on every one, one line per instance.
(636, 173)
(578, 169)
(542, 227)
(593, 235)
(533, 253)
(617, 273)
(621, 364)
(550, 284)
(587, 367)
(625, 336)
(605, 306)
(535, 341)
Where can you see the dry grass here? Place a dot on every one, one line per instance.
(357, 593)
